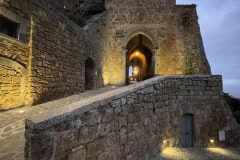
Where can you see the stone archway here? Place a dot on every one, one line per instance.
(136, 31)
(12, 84)
(139, 48)
(90, 70)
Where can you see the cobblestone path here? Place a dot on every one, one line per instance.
(12, 123)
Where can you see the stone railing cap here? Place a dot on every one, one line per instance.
(60, 114)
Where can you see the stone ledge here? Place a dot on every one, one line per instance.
(64, 112)
(186, 6)
(14, 40)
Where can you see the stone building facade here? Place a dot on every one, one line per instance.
(51, 56)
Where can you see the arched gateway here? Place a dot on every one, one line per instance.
(140, 46)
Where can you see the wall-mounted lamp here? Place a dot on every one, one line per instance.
(137, 53)
(211, 141)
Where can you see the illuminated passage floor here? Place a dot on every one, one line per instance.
(199, 154)
(12, 123)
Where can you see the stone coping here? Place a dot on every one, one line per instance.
(186, 5)
(77, 108)
(15, 40)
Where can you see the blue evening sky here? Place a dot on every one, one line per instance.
(220, 26)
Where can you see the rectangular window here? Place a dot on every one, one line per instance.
(8, 27)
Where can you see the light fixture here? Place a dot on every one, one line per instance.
(211, 140)
(137, 53)
(164, 141)
(135, 71)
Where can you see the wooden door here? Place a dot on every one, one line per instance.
(187, 131)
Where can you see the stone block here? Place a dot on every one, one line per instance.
(95, 148)
(78, 153)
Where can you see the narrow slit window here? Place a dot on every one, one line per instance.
(8, 27)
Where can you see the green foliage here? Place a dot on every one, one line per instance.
(234, 104)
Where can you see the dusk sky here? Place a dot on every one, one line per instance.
(220, 26)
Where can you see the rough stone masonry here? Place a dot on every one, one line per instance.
(133, 122)
(54, 50)
(53, 55)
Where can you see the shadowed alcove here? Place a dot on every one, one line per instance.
(90, 74)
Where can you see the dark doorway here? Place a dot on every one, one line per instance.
(139, 62)
(89, 74)
(187, 130)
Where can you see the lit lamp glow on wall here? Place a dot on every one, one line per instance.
(137, 53)
(135, 71)
(211, 141)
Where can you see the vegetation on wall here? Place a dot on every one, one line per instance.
(234, 104)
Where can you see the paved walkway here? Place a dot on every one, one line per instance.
(12, 123)
(199, 154)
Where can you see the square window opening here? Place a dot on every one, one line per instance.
(9, 27)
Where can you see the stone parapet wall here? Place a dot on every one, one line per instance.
(154, 6)
(131, 122)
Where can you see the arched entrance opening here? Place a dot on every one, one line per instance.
(139, 59)
(89, 74)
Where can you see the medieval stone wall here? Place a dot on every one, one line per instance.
(178, 49)
(53, 52)
(195, 57)
(13, 63)
(132, 122)
(56, 48)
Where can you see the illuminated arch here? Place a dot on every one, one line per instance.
(143, 31)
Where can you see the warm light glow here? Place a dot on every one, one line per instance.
(137, 53)
(21, 111)
(212, 140)
(170, 153)
(29, 98)
(143, 59)
(220, 151)
(164, 142)
(175, 153)
(135, 71)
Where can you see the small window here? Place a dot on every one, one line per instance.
(8, 27)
